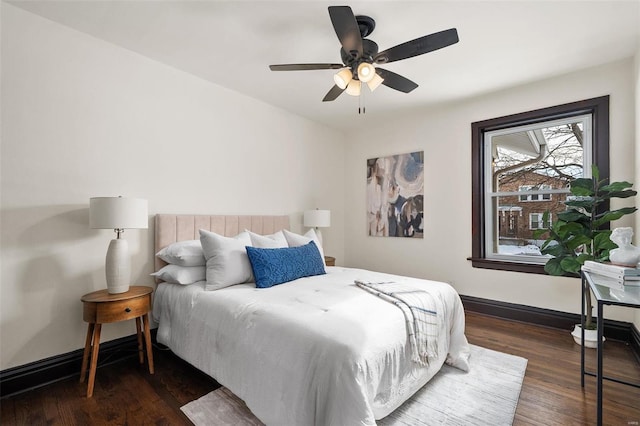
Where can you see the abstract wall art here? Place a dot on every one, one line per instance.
(395, 195)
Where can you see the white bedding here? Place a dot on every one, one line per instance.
(314, 351)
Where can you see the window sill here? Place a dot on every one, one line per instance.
(502, 265)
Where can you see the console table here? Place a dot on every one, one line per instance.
(629, 297)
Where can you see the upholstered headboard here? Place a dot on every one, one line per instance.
(170, 228)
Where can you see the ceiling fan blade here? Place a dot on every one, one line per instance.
(396, 81)
(347, 30)
(305, 67)
(333, 94)
(419, 46)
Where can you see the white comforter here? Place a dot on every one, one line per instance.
(315, 351)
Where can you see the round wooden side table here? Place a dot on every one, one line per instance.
(101, 307)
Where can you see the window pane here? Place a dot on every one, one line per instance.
(541, 157)
(532, 167)
(514, 221)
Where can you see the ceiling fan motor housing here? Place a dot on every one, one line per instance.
(366, 24)
(369, 50)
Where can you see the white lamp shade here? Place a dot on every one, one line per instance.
(118, 213)
(317, 218)
(375, 82)
(343, 77)
(366, 72)
(353, 88)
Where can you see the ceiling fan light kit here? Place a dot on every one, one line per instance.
(343, 77)
(375, 82)
(366, 71)
(360, 55)
(353, 88)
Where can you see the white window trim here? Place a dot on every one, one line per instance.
(489, 195)
(530, 192)
(539, 216)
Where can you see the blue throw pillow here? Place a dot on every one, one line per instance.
(273, 266)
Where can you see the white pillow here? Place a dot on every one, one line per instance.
(296, 240)
(176, 274)
(183, 253)
(276, 240)
(227, 260)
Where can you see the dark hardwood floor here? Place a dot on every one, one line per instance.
(551, 392)
(126, 394)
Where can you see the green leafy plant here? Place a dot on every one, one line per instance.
(579, 233)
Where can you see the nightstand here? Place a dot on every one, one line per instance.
(101, 307)
(330, 261)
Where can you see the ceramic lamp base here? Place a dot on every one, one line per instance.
(118, 267)
(319, 234)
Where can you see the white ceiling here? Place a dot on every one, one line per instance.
(231, 43)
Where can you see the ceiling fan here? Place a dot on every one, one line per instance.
(360, 55)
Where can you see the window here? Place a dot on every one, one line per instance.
(536, 222)
(534, 196)
(522, 166)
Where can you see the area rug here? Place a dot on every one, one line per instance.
(487, 395)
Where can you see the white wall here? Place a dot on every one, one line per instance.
(84, 118)
(636, 228)
(444, 133)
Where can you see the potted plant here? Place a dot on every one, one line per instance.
(579, 233)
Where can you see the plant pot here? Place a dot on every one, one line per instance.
(590, 337)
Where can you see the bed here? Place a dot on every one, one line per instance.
(314, 351)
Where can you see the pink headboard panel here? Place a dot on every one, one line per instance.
(170, 228)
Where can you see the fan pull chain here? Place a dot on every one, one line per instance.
(362, 109)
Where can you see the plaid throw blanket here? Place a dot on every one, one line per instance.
(419, 309)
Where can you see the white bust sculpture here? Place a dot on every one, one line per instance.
(626, 254)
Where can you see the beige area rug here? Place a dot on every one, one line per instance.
(487, 395)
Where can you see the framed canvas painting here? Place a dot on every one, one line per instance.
(395, 195)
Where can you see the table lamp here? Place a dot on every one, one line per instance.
(317, 219)
(118, 213)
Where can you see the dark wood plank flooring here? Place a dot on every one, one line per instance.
(126, 394)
